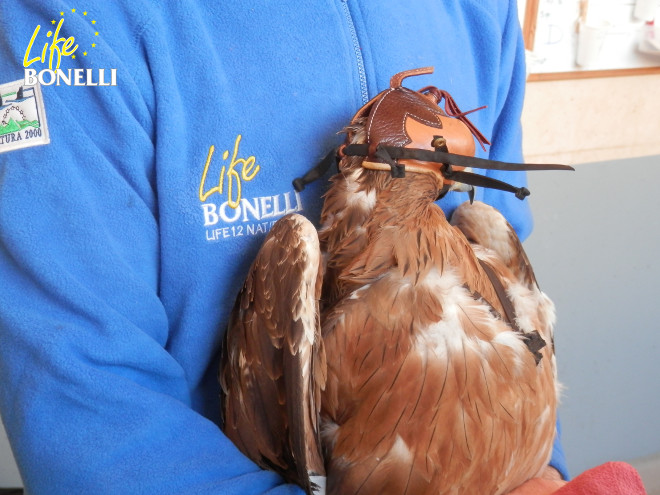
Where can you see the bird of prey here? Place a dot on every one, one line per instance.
(394, 352)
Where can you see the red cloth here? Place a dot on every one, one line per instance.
(611, 478)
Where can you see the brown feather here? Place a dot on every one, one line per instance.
(420, 410)
(484, 226)
(273, 367)
(428, 389)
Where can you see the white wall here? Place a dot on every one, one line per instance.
(9, 476)
(594, 248)
(589, 120)
(596, 252)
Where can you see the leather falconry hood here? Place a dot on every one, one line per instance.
(407, 130)
(390, 110)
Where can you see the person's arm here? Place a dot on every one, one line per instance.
(506, 133)
(549, 482)
(507, 146)
(91, 399)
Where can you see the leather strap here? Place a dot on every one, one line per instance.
(389, 155)
(396, 153)
(533, 339)
(318, 171)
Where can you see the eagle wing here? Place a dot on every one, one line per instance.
(484, 226)
(273, 365)
(497, 246)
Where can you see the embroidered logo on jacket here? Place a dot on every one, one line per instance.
(22, 117)
(226, 212)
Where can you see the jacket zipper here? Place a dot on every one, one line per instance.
(364, 92)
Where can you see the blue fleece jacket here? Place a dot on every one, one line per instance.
(124, 241)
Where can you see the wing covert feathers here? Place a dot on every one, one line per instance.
(273, 366)
(495, 242)
(484, 226)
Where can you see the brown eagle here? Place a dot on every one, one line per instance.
(394, 352)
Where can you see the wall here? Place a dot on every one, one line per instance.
(595, 247)
(590, 120)
(9, 476)
(595, 250)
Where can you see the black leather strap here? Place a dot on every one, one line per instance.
(390, 155)
(397, 153)
(317, 172)
(533, 339)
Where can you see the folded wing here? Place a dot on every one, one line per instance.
(273, 365)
